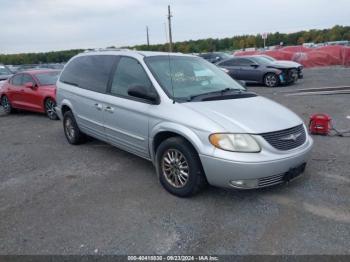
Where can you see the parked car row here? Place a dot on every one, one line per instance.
(215, 57)
(5, 72)
(261, 69)
(25, 67)
(196, 124)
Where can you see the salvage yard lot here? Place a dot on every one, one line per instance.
(61, 199)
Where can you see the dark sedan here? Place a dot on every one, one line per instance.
(258, 69)
(215, 57)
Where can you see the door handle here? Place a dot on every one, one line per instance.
(109, 109)
(98, 106)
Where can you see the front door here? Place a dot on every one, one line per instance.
(30, 98)
(126, 118)
(249, 70)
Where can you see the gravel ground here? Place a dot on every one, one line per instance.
(95, 199)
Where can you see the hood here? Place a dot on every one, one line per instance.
(253, 115)
(286, 63)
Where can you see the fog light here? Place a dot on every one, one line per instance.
(244, 184)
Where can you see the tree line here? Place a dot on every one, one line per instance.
(336, 33)
(198, 46)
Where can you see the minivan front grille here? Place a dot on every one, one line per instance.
(286, 139)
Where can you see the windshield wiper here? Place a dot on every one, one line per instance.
(221, 92)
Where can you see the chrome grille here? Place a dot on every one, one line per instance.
(270, 180)
(286, 139)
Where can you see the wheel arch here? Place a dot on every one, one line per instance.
(66, 106)
(167, 130)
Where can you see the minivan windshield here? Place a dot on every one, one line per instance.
(183, 77)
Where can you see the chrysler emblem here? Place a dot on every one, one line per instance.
(293, 137)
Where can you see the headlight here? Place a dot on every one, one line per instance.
(235, 142)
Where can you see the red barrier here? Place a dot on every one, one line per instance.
(297, 48)
(308, 57)
(279, 55)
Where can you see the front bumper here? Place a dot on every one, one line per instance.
(221, 172)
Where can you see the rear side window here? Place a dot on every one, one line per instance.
(244, 62)
(89, 72)
(17, 80)
(129, 73)
(229, 63)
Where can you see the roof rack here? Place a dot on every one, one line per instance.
(106, 49)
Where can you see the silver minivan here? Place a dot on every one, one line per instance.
(195, 123)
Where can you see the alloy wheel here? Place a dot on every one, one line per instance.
(175, 168)
(271, 80)
(6, 104)
(69, 128)
(50, 108)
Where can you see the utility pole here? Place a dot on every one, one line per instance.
(147, 35)
(170, 35)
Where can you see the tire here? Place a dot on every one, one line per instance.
(171, 173)
(271, 80)
(71, 130)
(293, 75)
(50, 111)
(6, 104)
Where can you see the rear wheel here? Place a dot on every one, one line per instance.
(50, 110)
(71, 129)
(5, 102)
(179, 168)
(271, 80)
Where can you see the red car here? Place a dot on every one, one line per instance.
(31, 90)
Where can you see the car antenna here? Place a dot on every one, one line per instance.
(171, 79)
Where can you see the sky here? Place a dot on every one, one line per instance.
(51, 25)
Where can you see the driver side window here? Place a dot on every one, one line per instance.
(129, 73)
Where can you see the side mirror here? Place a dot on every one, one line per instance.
(29, 85)
(254, 65)
(141, 92)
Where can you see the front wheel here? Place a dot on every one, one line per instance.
(179, 168)
(5, 102)
(50, 110)
(271, 80)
